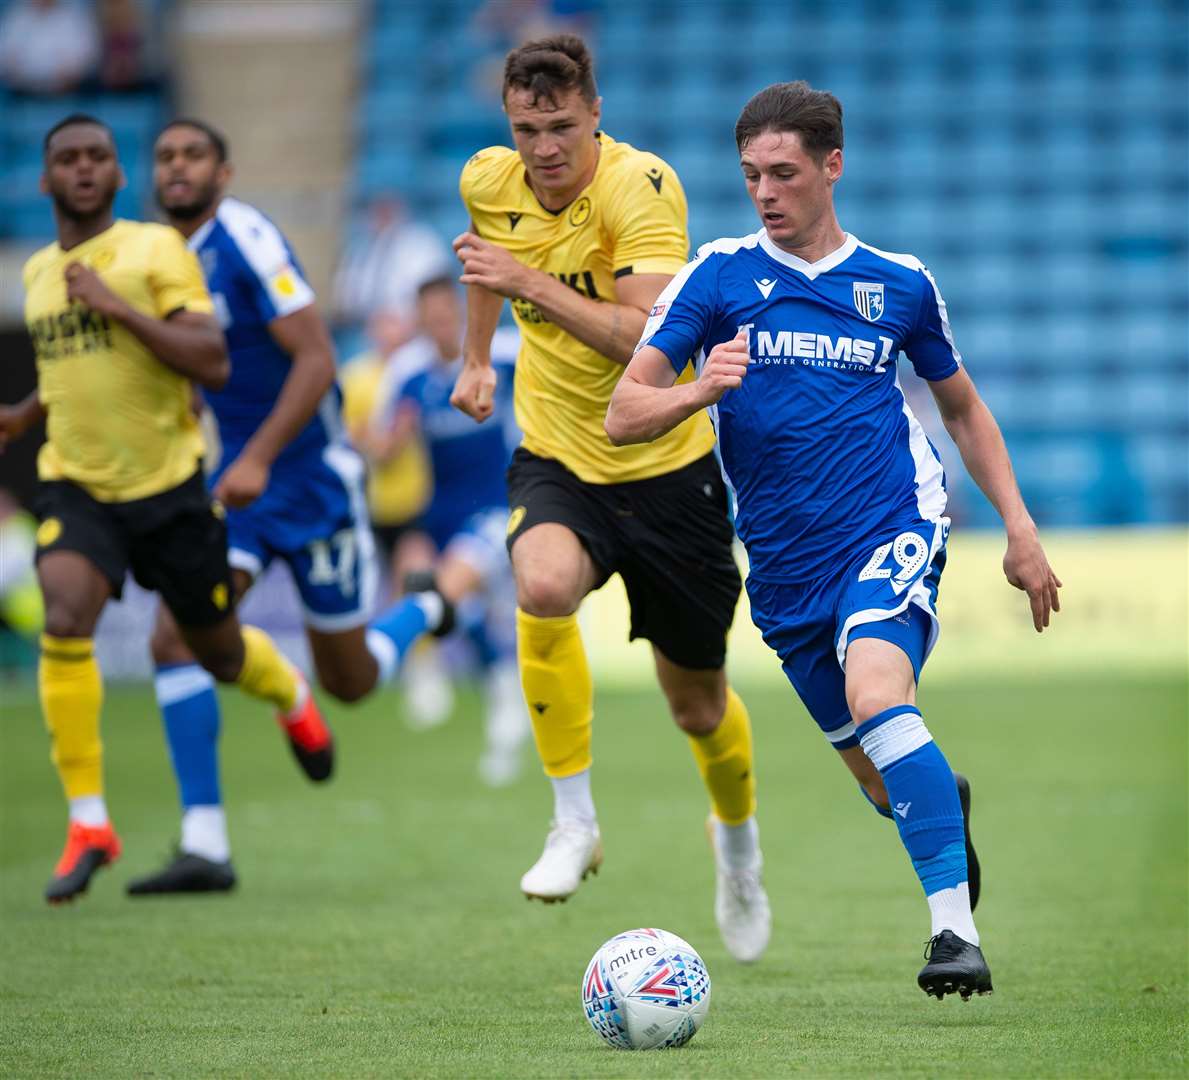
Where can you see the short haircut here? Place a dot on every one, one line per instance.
(551, 66)
(74, 120)
(216, 137)
(441, 281)
(815, 115)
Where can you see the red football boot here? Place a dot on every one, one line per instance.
(88, 847)
(309, 737)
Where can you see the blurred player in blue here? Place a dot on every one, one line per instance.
(467, 518)
(292, 488)
(796, 331)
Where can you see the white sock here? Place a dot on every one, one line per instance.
(572, 799)
(950, 909)
(383, 650)
(303, 693)
(433, 607)
(89, 810)
(507, 716)
(204, 832)
(738, 846)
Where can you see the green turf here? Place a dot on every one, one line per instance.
(378, 930)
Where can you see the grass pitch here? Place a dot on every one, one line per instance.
(378, 930)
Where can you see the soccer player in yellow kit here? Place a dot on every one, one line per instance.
(582, 233)
(122, 326)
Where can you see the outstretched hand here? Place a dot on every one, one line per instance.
(1027, 568)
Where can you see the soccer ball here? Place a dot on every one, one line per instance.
(645, 990)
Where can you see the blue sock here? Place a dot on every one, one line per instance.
(190, 710)
(921, 790)
(882, 811)
(402, 624)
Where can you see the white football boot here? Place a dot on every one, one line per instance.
(572, 850)
(741, 905)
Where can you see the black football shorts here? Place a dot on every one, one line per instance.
(669, 538)
(175, 543)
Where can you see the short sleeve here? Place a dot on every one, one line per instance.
(683, 314)
(648, 219)
(175, 276)
(477, 174)
(930, 344)
(273, 282)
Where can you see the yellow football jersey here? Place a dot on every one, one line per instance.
(120, 423)
(631, 218)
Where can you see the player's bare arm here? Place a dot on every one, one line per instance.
(474, 391)
(648, 402)
(189, 342)
(974, 430)
(16, 419)
(304, 337)
(610, 328)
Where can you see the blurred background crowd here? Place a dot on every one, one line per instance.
(1034, 153)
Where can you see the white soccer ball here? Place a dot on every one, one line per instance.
(645, 990)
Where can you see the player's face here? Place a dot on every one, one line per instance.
(440, 316)
(792, 191)
(555, 141)
(188, 176)
(82, 173)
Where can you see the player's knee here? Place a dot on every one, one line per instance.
(223, 663)
(65, 618)
(696, 710)
(545, 595)
(343, 686)
(866, 702)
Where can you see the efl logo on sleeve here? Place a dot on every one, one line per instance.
(869, 299)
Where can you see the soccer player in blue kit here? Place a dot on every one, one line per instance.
(292, 487)
(796, 331)
(467, 517)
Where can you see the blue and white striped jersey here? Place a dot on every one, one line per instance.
(254, 277)
(819, 446)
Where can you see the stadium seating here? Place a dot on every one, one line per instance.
(1035, 154)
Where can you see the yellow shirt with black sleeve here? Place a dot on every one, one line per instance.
(119, 421)
(630, 219)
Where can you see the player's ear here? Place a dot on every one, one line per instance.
(43, 184)
(224, 173)
(596, 110)
(121, 178)
(834, 165)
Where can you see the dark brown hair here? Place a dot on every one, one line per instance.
(551, 66)
(815, 115)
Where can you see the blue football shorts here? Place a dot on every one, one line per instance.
(888, 592)
(313, 516)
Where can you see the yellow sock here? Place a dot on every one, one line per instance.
(266, 674)
(724, 760)
(558, 690)
(71, 691)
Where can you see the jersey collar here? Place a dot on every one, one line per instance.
(809, 269)
(198, 237)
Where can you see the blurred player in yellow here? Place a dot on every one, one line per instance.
(122, 326)
(582, 233)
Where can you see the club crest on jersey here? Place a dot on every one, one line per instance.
(580, 212)
(869, 299)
